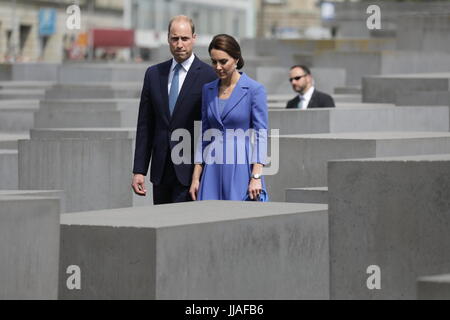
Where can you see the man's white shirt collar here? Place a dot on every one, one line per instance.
(308, 94)
(186, 64)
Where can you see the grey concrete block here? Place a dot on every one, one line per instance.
(303, 158)
(26, 84)
(198, 250)
(274, 79)
(29, 247)
(393, 213)
(8, 169)
(10, 140)
(424, 31)
(307, 195)
(326, 79)
(35, 71)
(371, 63)
(38, 193)
(259, 47)
(423, 98)
(87, 113)
(386, 88)
(92, 166)
(356, 64)
(351, 98)
(398, 62)
(17, 115)
(22, 94)
(126, 90)
(435, 287)
(356, 118)
(5, 72)
(348, 90)
(252, 63)
(93, 72)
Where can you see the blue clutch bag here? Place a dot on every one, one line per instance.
(261, 198)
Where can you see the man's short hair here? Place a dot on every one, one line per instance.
(181, 17)
(303, 67)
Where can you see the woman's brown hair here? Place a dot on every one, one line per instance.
(227, 43)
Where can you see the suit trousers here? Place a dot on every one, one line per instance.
(170, 190)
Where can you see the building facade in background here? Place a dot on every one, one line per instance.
(289, 18)
(35, 30)
(150, 17)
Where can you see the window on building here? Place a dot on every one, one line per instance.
(24, 34)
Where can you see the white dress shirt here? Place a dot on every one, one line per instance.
(185, 65)
(306, 98)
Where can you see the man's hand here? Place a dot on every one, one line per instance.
(193, 191)
(138, 184)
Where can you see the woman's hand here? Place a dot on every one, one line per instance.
(254, 188)
(193, 190)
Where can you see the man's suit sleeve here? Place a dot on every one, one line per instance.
(328, 101)
(291, 103)
(145, 130)
(200, 143)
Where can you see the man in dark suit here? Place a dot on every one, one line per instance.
(171, 99)
(308, 97)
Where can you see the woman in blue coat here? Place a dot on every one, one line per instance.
(230, 158)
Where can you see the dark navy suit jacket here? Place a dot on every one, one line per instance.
(318, 100)
(155, 124)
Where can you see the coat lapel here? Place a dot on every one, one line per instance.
(238, 93)
(163, 82)
(191, 76)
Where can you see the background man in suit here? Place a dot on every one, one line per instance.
(308, 97)
(170, 99)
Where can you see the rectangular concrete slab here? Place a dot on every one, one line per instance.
(29, 247)
(386, 88)
(93, 72)
(348, 90)
(307, 195)
(87, 113)
(94, 91)
(34, 71)
(357, 118)
(198, 250)
(424, 98)
(22, 94)
(26, 84)
(435, 287)
(17, 115)
(92, 166)
(38, 193)
(9, 169)
(303, 158)
(389, 221)
(10, 140)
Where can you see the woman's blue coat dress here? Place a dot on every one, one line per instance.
(232, 140)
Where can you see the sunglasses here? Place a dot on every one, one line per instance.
(297, 78)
